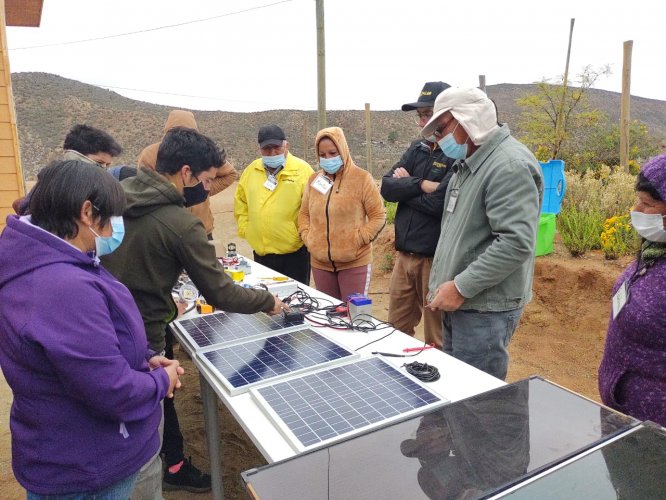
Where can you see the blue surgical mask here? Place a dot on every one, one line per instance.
(330, 165)
(273, 161)
(451, 148)
(104, 245)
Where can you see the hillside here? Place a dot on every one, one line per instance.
(48, 105)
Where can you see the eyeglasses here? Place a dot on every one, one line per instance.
(103, 164)
(440, 131)
(422, 116)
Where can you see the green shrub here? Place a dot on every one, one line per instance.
(580, 229)
(391, 208)
(388, 263)
(607, 190)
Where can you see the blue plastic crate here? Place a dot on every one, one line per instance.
(554, 186)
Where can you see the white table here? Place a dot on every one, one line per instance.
(458, 381)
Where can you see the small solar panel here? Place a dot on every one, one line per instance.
(227, 327)
(258, 361)
(320, 407)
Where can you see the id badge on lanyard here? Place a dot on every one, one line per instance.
(453, 199)
(322, 184)
(620, 299)
(271, 182)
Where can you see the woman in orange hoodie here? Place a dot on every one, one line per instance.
(341, 215)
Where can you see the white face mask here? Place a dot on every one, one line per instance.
(649, 226)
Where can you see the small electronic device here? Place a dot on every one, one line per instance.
(293, 316)
(188, 292)
(235, 273)
(359, 304)
(282, 288)
(203, 307)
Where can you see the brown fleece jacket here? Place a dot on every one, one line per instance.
(225, 177)
(339, 227)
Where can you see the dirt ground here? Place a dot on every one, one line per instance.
(560, 338)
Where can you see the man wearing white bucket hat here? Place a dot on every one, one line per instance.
(481, 275)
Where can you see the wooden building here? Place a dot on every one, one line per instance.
(12, 13)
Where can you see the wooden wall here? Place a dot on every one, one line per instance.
(11, 174)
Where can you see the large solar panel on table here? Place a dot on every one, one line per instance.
(257, 361)
(632, 466)
(226, 327)
(319, 407)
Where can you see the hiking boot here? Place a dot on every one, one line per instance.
(188, 478)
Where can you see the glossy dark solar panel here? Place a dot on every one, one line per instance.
(472, 448)
(321, 406)
(225, 327)
(633, 466)
(255, 361)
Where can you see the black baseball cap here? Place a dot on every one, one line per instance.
(271, 135)
(427, 96)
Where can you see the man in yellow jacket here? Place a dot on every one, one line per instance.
(267, 202)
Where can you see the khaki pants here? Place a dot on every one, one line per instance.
(407, 295)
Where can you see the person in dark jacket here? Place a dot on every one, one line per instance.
(632, 375)
(73, 348)
(418, 183)
(162, 239)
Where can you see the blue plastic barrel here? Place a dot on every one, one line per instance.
(554, 186)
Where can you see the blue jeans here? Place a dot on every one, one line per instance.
(117, 491)
(480, 338)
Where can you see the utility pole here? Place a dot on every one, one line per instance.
(368, 138)
(306, 139)
(624, 105)
(559, 124)
(321, 66)
(482, 82)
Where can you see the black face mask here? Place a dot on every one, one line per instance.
(195, 194)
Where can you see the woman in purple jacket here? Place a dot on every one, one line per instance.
(73, 348)
(632, 375)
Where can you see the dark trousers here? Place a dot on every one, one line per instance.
(296, 265)
(172, 439)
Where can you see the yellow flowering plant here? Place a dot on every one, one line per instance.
(618, 237)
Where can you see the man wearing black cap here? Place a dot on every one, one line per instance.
(418, 183)
(268, 199)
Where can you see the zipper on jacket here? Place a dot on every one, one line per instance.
(328, 227)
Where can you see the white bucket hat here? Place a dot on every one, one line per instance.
(471, 107)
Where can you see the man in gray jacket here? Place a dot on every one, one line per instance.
(481, 275)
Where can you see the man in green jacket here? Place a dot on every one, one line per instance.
(162, 239)
(481, 276)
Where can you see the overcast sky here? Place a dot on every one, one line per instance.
(253, 55)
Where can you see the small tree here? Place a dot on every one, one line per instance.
(542, 110)
(393, 136)
(603, 144)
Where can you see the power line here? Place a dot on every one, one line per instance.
(177, 25)
(190, 96)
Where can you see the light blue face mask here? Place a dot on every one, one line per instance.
(273, 161)
(104, 245)
(451, 148)
(331, 165)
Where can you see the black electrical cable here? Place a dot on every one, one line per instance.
(422, 371)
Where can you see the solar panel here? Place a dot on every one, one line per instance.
(257, 361)
(227, 327)
(318, 408)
